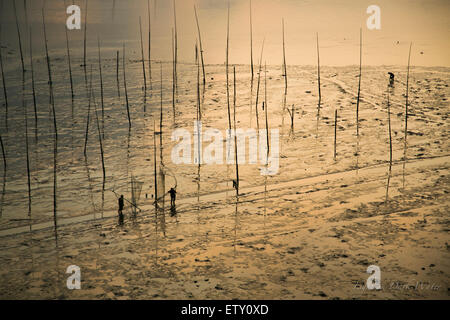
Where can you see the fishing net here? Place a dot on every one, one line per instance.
(136, 188)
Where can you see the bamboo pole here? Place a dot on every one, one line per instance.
(173, 77)
(199, 110)
(235, 135)
(68, 59)
(85, 42)
(176, 45)
(251, 43)
(5, 93)
(125, 86)
(406, 101)
(318, 70)
(389, 126)
(201, 46)
(86, 136)
(227, 65)
(335, 132)
(198, 116)
(149, 45)
(258, 85)
(266, 109)
(55, 148)
(284, 64)
(25, 117)
(33, 88)
(155, 171)
(19, 37)
(359, 82)
(101, 88)
(99, 131)
(142, 55)
(117, 73)
(4, 175)
(292, 114)
(161, 116)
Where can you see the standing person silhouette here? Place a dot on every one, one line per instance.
(391, 79)
(173, 196)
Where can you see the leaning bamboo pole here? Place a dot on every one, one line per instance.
(19, 37)
(33, 89)
(199, 110)
(100, 132)
(86, 135)
(284, 64)
(85, 42)
(142, 55)
(125, 87)
(68, 60)
(201, 46)
(258, 85)
(55, 147)
(5, 93)
(227, 66)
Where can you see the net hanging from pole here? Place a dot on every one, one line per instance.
(136, 188)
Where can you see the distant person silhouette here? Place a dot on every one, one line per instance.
(391, 79)
(173, 196)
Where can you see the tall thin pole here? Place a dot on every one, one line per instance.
(149, 45)
(5, 93)
(389, 126)
(284, 64)
(117, 73)
(55, 147)
(125, 86)
(235, 135)
(19, 37)
(335, 132)
(406, 101)
(258, 86)
(251, 41)
(201, 46)
(227, 63)
(359, 82)
(68, 60)
(84, 42)
(142, 54)
(318, 70)
(101, 89)
(173, 77)
(176, 44)
(161, 115)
